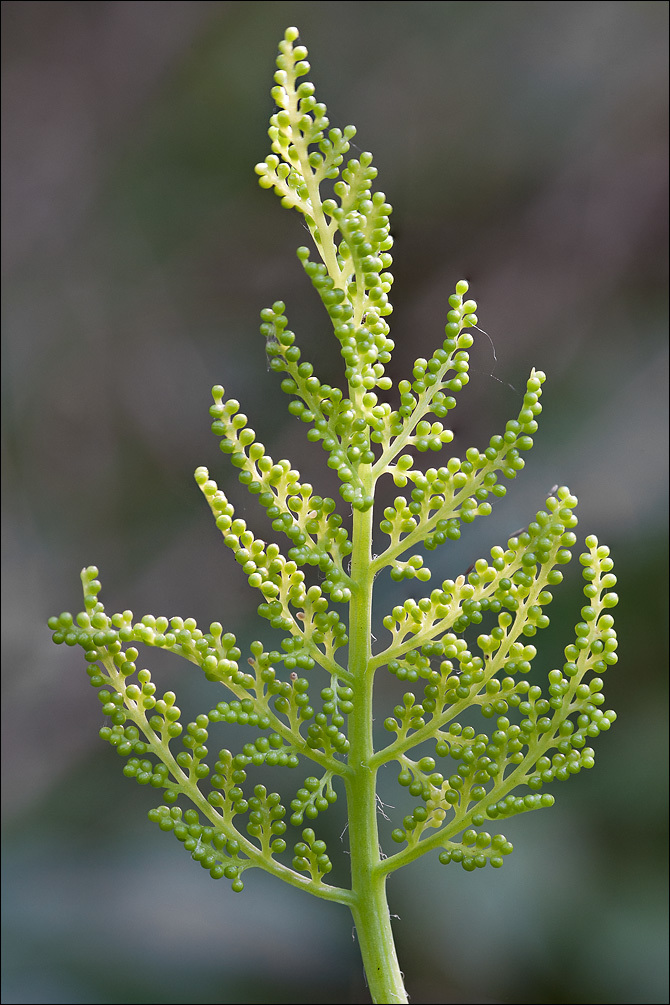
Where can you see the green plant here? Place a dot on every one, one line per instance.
(310, 699)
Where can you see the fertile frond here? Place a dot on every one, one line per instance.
(304, 699)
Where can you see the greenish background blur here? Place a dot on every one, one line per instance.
(523, 145)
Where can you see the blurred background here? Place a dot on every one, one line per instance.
(523, 146)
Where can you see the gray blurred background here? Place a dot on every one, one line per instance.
(522, 145)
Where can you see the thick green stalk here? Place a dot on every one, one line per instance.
(369, 907)
(375, 938)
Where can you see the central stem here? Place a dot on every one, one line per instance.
(370, 907)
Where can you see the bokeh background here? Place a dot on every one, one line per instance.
(523, 145)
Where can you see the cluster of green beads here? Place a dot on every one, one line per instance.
(513, 580)
(307, 520)
(445, 497)
(314, 797)
(143, 725)
(310, 856)
(476, 849)
(214, 852)
(549, 740)
(304, 154)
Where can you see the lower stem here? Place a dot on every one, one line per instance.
(368, 883)
(375, 938)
